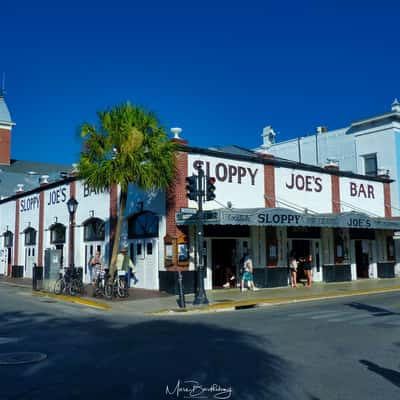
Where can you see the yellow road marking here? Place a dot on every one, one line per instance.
(73, 299)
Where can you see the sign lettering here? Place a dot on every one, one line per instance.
(29, 204)
(88, 191)
(227, 172)
(57, 196)
(309, 183)
(362, 190)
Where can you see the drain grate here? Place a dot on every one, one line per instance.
(245, 307)
(21, 358)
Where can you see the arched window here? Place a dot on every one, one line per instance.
(8, 239)
(94, 230)
(57, 234)
(30, 237)
(143, 225)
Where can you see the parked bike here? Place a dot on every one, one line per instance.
(70, 282)
(102, 286)
(117, 286)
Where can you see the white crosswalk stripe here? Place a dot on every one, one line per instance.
(327, 315)
(360, 317)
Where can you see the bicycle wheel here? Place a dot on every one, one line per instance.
(79, 287)
(109, 290)
(72, 288)
(59, 286)
(122, 289)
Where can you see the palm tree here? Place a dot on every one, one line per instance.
(128, 146)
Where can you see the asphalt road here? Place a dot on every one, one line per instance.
(336, 349)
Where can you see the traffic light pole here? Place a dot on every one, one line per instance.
(200, 297)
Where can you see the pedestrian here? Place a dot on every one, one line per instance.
(307, 266)
(124, 263)
(293, 269)
(236, 266)
(96, 265)
(247, 277)
(229, 278)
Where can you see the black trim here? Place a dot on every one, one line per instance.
(279, 162)
(270, 277)
(386, 269)
(336, 272)
(169, 281)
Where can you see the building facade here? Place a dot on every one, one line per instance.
(265, 206)
(370, 146)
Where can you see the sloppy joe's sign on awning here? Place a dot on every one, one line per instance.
(286, 217)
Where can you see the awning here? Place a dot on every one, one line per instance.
(287, 217)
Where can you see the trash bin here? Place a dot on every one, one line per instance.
(37, 277)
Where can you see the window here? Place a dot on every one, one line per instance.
(271, 246)
(370, 164)
(93, 230)
(149, 250)
(143, 225)
(8, 239)
(30, 237)
(57, 233)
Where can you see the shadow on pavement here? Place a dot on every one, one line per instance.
(96, 358)
(389, 374)
(372, 309)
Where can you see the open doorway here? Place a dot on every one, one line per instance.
(302, 248)
(221, 258)
(362, 259)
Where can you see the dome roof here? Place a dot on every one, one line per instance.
(5, 116)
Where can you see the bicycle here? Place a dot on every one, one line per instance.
(100, 287)
(117, 286)
(70, 282)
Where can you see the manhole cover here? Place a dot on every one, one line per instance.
(21, 358)
(223, 301)
(49, 301)
(4, 340)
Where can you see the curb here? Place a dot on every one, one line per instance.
(243, 304)
(77, 300)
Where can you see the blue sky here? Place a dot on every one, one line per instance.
(221, 70)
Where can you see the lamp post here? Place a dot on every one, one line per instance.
(72, 205)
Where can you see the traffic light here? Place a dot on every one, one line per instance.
(210, 188)
(191, 187)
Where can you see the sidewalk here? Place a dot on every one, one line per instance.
(152, 302)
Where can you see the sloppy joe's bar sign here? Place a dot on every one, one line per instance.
(304, 189)
(238, 182)
(357, 194)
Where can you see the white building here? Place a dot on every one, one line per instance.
(370, 146)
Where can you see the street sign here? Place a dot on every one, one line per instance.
(186, 210)
(209, 217)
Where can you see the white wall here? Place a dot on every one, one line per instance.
(363, 196)
(56, 211)
(296, 189)
(90, 204)
(382, 143)
(238, 182)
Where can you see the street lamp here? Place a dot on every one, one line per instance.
(72, 205)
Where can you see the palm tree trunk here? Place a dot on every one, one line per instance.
(118, 230)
